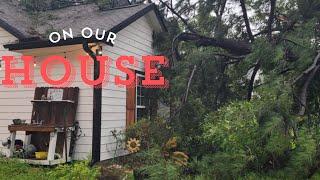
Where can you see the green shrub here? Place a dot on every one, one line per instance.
(232, 128)
(77, 170)
(223, 165)
(150, 133)
(161, 170)
(152, 164)
(16, 170)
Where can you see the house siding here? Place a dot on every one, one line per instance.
(15, 102)
(134, 40)
(6, 99)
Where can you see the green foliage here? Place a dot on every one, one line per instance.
(187, 126)
(262, 132)
(18, 170)
(231, 127)
(150, 133)
(160, 170)
(222, 165)
(303, 157)
(77, 170)
(309, 8)
(153, 165)
(265, 52)
(226, 136)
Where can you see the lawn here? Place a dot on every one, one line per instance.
(13, 169)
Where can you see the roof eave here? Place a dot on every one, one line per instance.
(47, 43)
(12, 30)
(79, 40)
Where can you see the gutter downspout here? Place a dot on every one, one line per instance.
(97, 94)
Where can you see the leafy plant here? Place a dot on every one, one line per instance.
(150, 133)
(77, 170)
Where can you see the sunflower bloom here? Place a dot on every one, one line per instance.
(133, 145)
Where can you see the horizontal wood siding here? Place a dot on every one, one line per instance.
(135, 40)
(15, 102)
(5, 38)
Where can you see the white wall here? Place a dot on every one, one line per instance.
(15, 102)
(7, 100)
(135, 40)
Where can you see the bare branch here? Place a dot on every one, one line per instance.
(233, 46)
(233, 62)
(229, 56)
(184, 100)
(179, 16)
(219, 12)
(271, 18)
(252, 79)
(304, 91)
(288, 27)
(309, 74)
(309, 70)
(258, 64)
(189, 83)
(293, 42)
(246, 19)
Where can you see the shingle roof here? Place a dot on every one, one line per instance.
(75, 17)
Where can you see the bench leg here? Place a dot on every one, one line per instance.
(12, 145)
(68, 147)
(52, 145)
(27, 140)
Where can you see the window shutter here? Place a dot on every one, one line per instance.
(131, 106)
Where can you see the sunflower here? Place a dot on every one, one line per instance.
(133, 145)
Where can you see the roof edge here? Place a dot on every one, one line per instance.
(79, 40)
(12, 30)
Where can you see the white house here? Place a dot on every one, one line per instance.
(99, 110)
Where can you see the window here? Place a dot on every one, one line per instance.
(140, 97)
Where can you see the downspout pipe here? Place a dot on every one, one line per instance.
(97, 95)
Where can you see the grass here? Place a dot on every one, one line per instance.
(16, 170)
(13, 169)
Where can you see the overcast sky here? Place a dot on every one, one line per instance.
(232, 7)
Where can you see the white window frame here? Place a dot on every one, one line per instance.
(138, 106)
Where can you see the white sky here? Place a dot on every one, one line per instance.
(232, 7)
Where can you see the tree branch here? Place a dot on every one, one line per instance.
(271, 18)
(246, 19)
(293, 42)
(290, 26)
(304, 92)
(179, 16)
(310, 73)
(258, 64)
(252, 79)
(185, 98)
(232, 46)
(229, 56)
(309, 70)
(189, 83)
